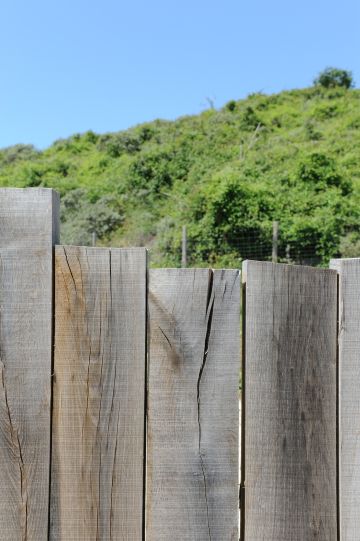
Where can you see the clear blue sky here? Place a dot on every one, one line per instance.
(72, 65)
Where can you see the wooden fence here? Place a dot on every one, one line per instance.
(119, 393)
(119, 389)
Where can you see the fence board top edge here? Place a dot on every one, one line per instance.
(27, 191)
(25, 196)
(192, 269)
(338, 262)
(254, 262)
(139, 249)
(248, 264)
(207, 273)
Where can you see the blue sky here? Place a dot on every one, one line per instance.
(72, 65)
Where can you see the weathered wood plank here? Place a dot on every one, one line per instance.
(193, 416)
(349, 397)
(28, 229)
(99, 394)
(290, 403)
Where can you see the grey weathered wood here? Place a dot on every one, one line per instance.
(290, 403)
(28, 229)
(275, 241)
(349, 397)
(193, 416)
(99, 394)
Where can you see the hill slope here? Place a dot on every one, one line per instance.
(226, 174)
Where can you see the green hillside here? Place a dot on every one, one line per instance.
(226, 174)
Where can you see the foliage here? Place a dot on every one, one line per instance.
(226, 174)
(350, 244)
(80, 218)
(16, 153)
(333, 77)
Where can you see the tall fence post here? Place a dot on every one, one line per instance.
(349, 397)
(290, 393)
(29, 227)
(275, 241)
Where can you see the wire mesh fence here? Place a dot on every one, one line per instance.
(257, 249)
(190, 251)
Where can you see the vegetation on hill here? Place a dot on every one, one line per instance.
(227, 174)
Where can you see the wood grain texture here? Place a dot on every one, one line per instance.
(290, 403)
(193, 415)
(28, 229)
(349, 397)
(99, 394)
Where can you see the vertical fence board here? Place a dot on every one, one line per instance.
(28, 229)
(349, 397)
(193, 417)
(290, 403)
(99, 394)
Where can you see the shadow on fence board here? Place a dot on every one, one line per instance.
(349, 397)
(290, 445)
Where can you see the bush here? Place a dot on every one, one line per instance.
(312, 134)
(19, 152)
(234, 211)
(119, 143)
(334, 77)
(128, 142)
(326, 111)
(231, 105)
(249, 119)
(157, 169)
(350, 245)
(32, 175)
(91, 137)
(320, 172)
(80, 218)
(62, 168)
(151, 172)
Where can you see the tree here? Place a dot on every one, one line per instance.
(333, 77)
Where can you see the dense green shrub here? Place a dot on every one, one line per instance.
(333, 77)
(18, 152)
(249, 119)
(151, 171)
(312, 133)
(117, 144)
(321, 172)
(231, 105)
(350, 244)
(79, 218)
